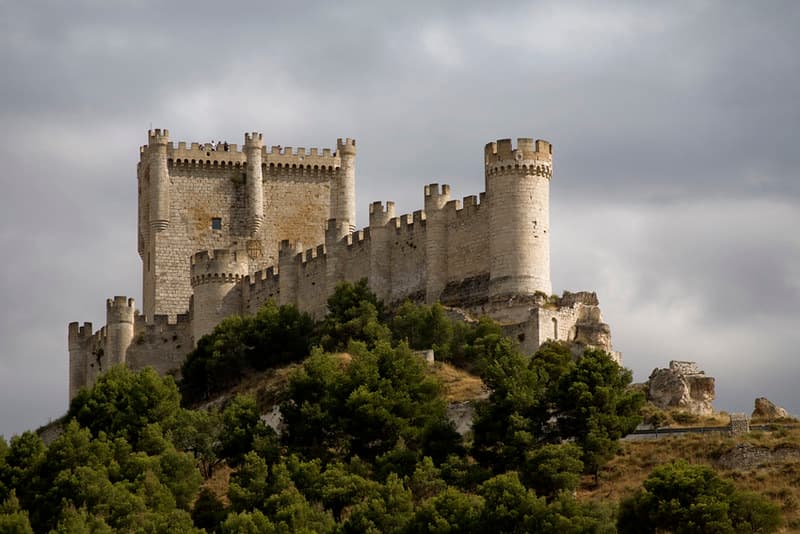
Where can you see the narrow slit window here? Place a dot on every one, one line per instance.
(216, 223)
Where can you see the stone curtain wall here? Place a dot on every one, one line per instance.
(467, 230)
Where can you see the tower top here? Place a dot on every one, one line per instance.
(346, 147)
(527, 149)
(158, 137)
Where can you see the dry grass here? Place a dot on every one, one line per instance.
(219, 482)
(636, 459)
(459, 385)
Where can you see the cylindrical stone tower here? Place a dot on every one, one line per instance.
(119, 329)
(380, 257)
(435, 241)
(216, 289)
(159, 179)
(255, 186)
(518, 192)
(343, 188)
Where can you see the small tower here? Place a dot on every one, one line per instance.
(120, 313)
(159, 179)
(253, 143)
(216, 289)
(380, 259)
(436, 231)
(78, 339)
(518, 192)
(343, 187)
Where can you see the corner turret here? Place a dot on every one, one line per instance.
(436, 229)
(159, 179)
(120, 312)
(518, 192)
(343, 188)
(253, 143)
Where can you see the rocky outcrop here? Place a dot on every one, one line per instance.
(766, 409)
(683, 386)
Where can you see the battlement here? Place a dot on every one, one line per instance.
(433, 191)
(534, 157)
(527, 148)
(379, 214)
(408, 221)
(346, 147)
(253, 140)
(218, 266)
(313, 253)
(270, 274)
(223, 154)
(120, 309)
(79, 334)
(289, 250)
(158, 137)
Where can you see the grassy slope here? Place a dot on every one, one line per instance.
(780, 481)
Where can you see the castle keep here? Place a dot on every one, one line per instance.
(222, 230)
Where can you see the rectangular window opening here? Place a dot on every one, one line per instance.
(216, 223)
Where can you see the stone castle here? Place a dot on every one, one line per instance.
(222, 230)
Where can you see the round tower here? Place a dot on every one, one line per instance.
(159, 179)
(253, 143)
(216, 288)
(78, 338)
(343, 188)
(435, 240)
(120, 313)
(518, 193)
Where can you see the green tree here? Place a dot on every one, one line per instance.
(253, 522)
(80, 522)
(684, 498)
(596, 408)
(123, 403)
(273, 336)
(241, 426)
(552, 468)
(199, 433)
(387, 510)
(365, 407)
(449, 512)
(510, 422)
(354, 314)
(13, 519)
(510, 507)
(423, 327)
(209, 511)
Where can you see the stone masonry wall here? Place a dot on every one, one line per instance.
(467, 230)
(207, 182)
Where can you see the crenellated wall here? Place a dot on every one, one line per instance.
(202, 197)
(161, 344)
(222, 231)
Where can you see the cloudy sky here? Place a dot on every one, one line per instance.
(675, 126)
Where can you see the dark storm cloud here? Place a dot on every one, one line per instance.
(675, 125)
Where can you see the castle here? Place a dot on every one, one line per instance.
(222, 230)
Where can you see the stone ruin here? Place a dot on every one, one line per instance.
(766, 409)
(682, 386)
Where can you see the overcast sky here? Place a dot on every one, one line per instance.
(675, 191)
